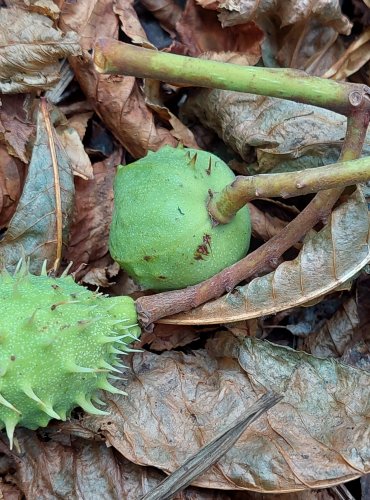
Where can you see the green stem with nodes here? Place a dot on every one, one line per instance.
(224, 205)
(111, 56)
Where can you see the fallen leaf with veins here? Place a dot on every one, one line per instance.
(33, 231)
(76, 468)
(178, 402)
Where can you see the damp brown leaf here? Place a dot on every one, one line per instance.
(328, 258)
(178, 402)
(29, 51)
(40, 225)
(118, 100)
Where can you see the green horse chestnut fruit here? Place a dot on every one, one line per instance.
(161, 232)
(59, 345)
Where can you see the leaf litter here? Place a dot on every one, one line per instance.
(207, 377)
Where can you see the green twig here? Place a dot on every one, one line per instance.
(224, 205)
(111, 56)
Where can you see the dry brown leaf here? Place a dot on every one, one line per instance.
(77, 469)
(327, 12)
(118, 100)
(92, 216)
(356, 56)
(16, 127)
(200, 31)
(12, 174)
(29, 51)
(307, 45)
(40, 225)
(152, 91)
(102, 274)
(79, 122)
(167, 12)
(327, 259)
(74, 148)
(285, 135)
(130, 23)
(176, 403)
(264, 224)
(332, 339)
(167, 337)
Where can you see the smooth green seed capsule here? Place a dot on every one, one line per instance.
(161, 232)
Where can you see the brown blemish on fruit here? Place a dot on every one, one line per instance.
(148, 258)
(204, 249)
(162, 277)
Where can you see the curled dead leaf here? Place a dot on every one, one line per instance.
(285, 135)
(328, 12)
(91, 219)
(29, 51)
(356, 56)
(16, 127)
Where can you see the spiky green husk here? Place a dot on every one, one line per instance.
(59, 343)
(161, 232)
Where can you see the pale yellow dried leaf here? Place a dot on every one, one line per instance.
(75, 150)
(327, 259)
(30, 48)
(353, 59)
(46, 7)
